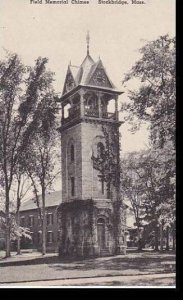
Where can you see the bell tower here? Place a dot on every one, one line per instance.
(89, 103)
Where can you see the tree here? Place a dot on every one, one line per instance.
(16, 231)
(132, 188)
(43, 155)
(11, 72)
(147, 183)
(19, 96)
(22, 187)
(167, 190)
(153, 101)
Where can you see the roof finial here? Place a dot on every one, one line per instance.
(88, 41)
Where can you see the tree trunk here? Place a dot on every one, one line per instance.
(156, 239)
(8, 253)
(139, 239)
(18, 239)
(167, 239)
(7, 238)
(43, 223)
(161, 237)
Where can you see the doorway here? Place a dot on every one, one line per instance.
(101, 233)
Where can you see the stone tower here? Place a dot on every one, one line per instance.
(87, 215)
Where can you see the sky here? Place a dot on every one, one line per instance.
(58, 31)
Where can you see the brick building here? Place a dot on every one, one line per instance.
(29, 218)
(88, 216)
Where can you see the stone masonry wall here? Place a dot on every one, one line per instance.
(85, 137)
(91, 186)
(75, 168)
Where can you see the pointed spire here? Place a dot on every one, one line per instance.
(88, 42)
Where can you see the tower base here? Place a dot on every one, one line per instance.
(88, 229)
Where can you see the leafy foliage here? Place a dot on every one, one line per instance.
(148, 182)
(107, 161)
(16, 231)
(27, 107)
(154, 100)
(43, 155)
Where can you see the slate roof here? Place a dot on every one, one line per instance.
(83, 73)
(74, 70)
(86, 66)
(52, 199)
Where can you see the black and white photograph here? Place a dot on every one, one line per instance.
(87, 144)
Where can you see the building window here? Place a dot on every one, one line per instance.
(72, 153)
(49, 237)
(49, 219)
(72, 186)
(22, 221)
(102, 186)
(31, 221)
(102, 183)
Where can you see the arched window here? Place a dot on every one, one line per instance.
(104, 104)
(100, 150)
(111, 106)
(72, 186)
(72, 153)
(91, 104)
(66, 110)
(101, 221)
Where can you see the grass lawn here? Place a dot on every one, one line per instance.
(29, 268)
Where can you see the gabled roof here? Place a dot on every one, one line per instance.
(52, 199)
(82, 75)
(95, 67)
(74, 70)
(86, 68)
(70, 73)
